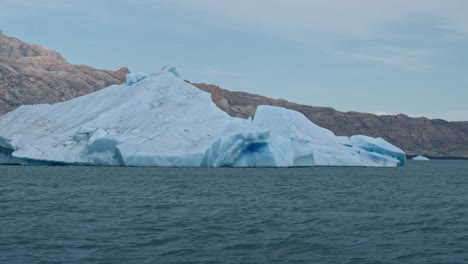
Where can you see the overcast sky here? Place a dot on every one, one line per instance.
(380, 56)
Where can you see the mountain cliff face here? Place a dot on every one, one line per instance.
(31, 74)
(416, 136)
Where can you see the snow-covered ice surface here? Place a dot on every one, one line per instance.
(420, 158)
(160, 120)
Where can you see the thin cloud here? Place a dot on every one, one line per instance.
(383, 113)
(398, 57)
(335, 17)
(359, 17)
(211, 71)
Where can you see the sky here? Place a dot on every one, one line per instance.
(378, 56)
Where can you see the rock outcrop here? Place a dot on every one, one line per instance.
(32, 74)
(434, 138)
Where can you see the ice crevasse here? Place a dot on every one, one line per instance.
(161, 120)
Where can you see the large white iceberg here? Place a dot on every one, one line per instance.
(161, 120)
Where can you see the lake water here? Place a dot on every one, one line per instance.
(414, 214)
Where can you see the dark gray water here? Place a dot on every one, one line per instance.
(414, 214)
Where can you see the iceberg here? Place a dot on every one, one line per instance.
(420, 158)
(161, 120)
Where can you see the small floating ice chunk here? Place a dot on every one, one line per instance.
(420, 158)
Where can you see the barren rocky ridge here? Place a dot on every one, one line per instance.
(31, 74)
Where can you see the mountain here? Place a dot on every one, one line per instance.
(434, 138)
(31, 74)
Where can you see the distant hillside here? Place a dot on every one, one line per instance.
(416, 136)
(31, 74)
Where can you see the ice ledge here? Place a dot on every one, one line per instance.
(133, 78)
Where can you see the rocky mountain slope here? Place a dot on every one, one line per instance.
(416, 136)
(31, 74)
